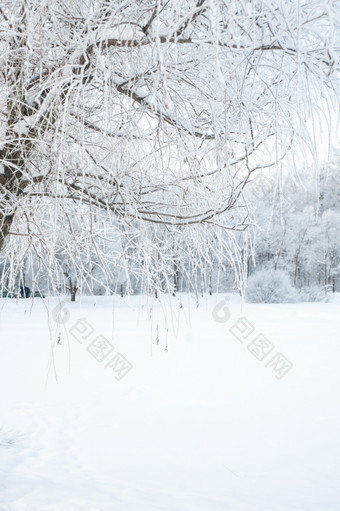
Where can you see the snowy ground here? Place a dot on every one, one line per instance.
(197, 424)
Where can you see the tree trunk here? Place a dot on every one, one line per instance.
(73, 289)
(175, 278)
(5, 226)
(296, 269)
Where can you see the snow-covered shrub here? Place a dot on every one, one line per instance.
(270, 286)
(314, 294)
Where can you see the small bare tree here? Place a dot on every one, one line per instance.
(150, 115)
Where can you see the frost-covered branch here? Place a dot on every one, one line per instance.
(149, 117)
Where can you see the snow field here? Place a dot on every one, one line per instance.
(198, 423)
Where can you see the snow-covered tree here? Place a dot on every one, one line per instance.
(303, 237)
(155, 112)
